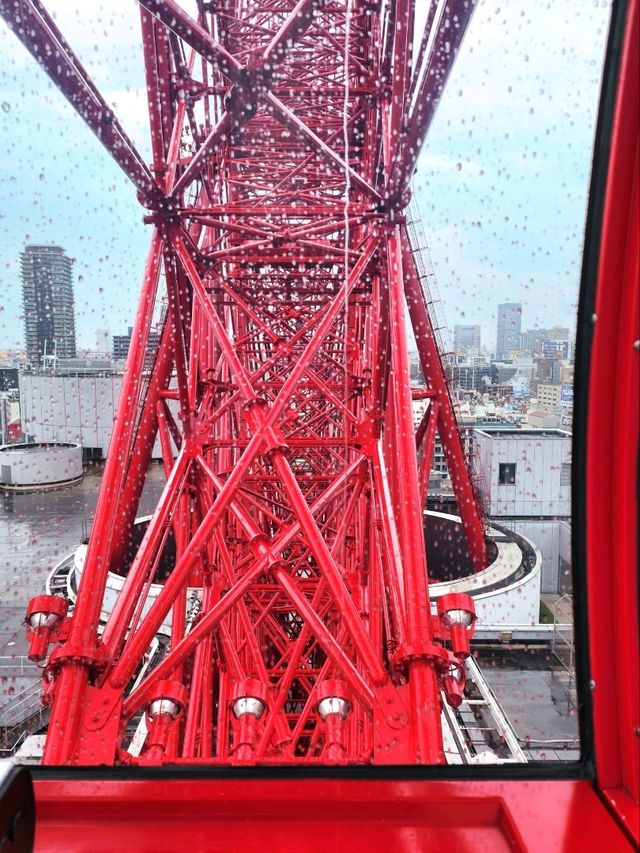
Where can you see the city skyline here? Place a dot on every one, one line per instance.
(460, 333)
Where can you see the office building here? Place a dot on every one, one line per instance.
(508, 329)
(549, 397)
(558, 333)
(466, 340)
(473, 377)
(120, 345)
(104, 341)
(525, 478)
(532, 340)
(553, 348)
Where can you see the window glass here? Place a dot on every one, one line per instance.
(255, 512)
(507, 474)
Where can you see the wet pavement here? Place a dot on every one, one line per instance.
(36, 531)
(540, 703)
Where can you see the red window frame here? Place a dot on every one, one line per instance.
(403, 811)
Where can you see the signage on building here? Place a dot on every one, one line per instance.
(566, 395)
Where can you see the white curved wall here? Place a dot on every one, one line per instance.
(112, 591)
(516, 602)
(39, 465)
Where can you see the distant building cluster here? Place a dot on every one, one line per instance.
(514, 409)
(49, 321)
(51, 391)
(528, 377)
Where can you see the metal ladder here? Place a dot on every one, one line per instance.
(478, 732)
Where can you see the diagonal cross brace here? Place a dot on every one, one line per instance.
(38, 33)
(209, 621)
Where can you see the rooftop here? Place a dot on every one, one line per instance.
(524, 433)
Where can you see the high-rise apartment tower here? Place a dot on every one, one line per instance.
(48, 303)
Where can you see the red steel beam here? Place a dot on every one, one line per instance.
(430, 361)
(193, 34)
(452, 26)
(423, 684)
(38, 33)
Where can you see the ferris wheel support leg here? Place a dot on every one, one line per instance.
(447, 426)
(423, 684)
(144, 440)
(81, 647)
(428, 451)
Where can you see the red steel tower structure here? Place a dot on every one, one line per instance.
(288, 541)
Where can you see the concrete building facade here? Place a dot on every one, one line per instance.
(103, 341)
(549, 397)
(120, 345)
(525, 476)
(472, 377)
(552, 348)
(76, 408)
(539, 419)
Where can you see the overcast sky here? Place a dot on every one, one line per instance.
(502, 180)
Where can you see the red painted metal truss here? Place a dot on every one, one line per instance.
(289, 537)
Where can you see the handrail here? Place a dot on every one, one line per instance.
(21, 663)
(563, 641)
(10, 750)
(22, 705)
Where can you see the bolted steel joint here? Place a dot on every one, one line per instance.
(421, 650)
(93, 657)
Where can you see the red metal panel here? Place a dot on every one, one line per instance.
(322, 814)
(612, 454)
(287, 338)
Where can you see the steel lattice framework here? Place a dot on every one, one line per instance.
(284, 138)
